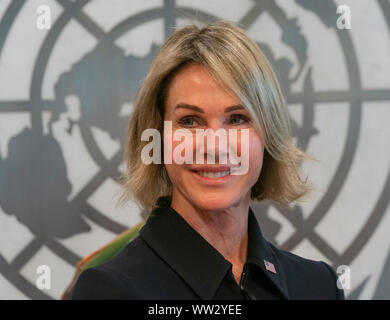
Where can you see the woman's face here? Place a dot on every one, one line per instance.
(195, 101)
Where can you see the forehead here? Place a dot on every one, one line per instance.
(194, 84)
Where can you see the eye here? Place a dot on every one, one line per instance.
(238, 119)
(187, 122)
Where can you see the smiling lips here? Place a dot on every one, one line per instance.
(213, 172)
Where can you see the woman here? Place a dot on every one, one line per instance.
(202, 240)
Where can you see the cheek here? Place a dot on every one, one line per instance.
(178, 152)
(251, 151)
(256, 154)
(175, 172)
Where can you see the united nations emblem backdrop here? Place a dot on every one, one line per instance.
(69, 71)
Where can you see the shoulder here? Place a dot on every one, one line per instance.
(115, 279)
(308, 279)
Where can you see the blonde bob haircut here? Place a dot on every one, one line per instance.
(237, 63)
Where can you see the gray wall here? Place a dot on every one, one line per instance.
(65, 99)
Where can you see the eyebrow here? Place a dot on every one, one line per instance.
(200, 110)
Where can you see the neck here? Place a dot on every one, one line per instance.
(226, 230)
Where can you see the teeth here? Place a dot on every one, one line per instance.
(214, 174)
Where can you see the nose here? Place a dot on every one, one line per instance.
(212, 144)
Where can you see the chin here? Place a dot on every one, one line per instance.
(221, 201)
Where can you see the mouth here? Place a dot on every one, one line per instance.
(217, 174)
(212, 175)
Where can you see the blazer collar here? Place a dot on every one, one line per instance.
(200, 265)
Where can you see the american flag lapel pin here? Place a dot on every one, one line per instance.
(269, 266)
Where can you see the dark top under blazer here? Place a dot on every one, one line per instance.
(170, 260)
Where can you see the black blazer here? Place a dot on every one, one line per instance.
(170, 260)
